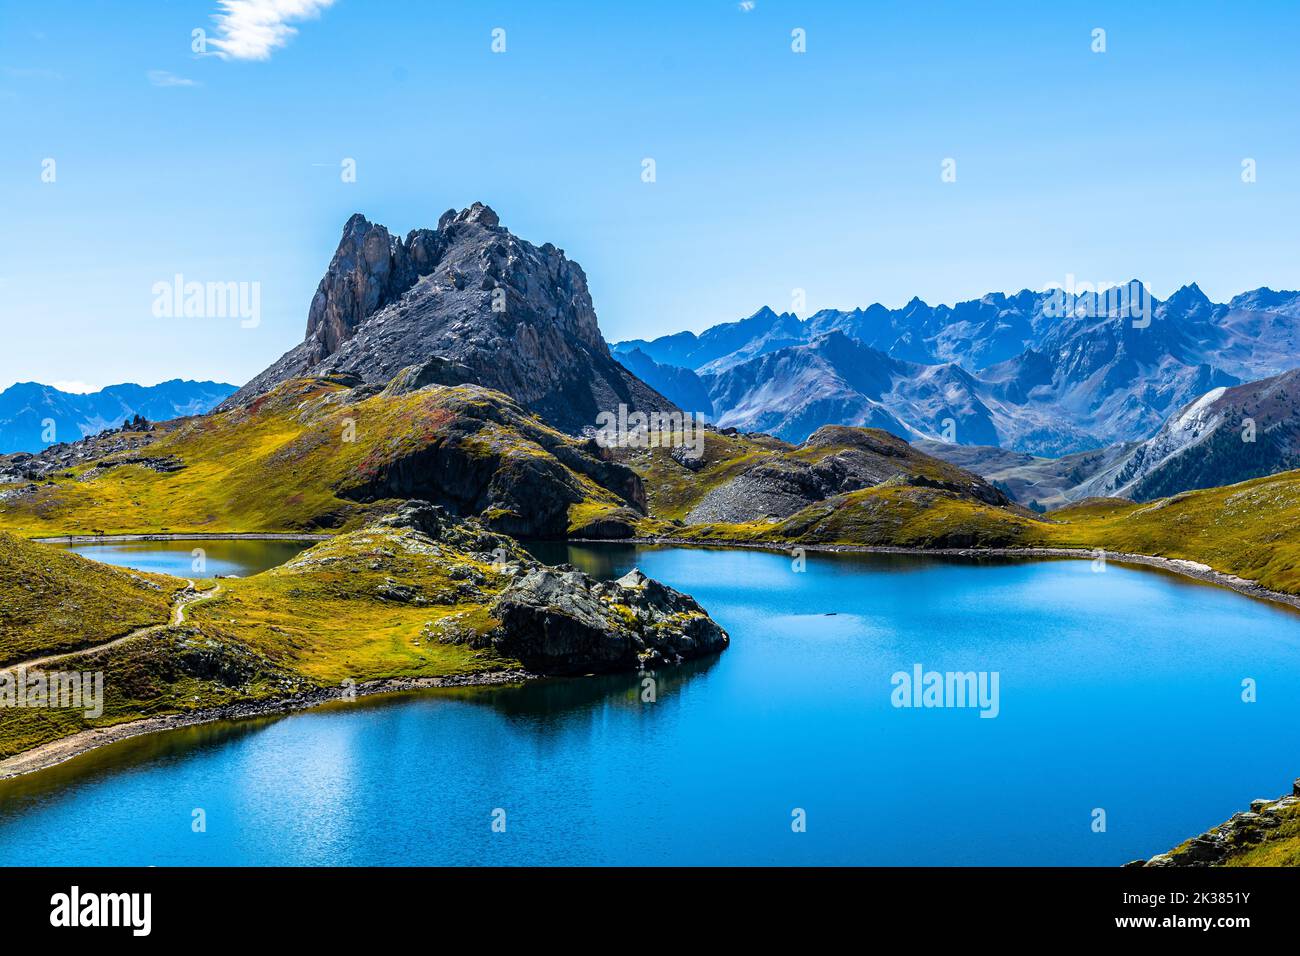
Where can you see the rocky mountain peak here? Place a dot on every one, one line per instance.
(1189, 300)
(513, 316)
(479, 213)
(1266, 299)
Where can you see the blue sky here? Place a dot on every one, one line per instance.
(775, 170)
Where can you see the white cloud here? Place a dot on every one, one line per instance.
(76, 388)
(163, 78)
(251, 29)
(746, 5)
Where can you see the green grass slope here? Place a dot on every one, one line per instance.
(314, 454)
(365, 605)
(1247, 529)
(53, 601)
(1268, 834)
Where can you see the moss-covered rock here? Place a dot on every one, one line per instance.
(560, 621)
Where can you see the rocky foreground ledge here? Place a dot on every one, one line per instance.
(558, 620)
(1266, 835)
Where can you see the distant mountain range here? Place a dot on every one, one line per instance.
(1012, 371)
(1226, 436)
(28, 408)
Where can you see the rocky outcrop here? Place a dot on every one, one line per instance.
(609, 526)
(557, 620)
(370, 269)
(433, 371)
(164, 465)
(780, 484)
(560, 621)
(56, 459)
(499, 311)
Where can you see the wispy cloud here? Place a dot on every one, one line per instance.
(252, 29)
(164, 78)
(746, 5)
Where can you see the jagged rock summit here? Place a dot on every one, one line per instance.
(468, 298)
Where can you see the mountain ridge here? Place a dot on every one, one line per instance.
(26, 408)
(1056, 374)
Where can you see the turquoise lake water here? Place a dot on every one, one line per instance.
(225, 557)
(1119, 691)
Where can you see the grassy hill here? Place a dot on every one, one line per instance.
(417, 594)
(1247, 529)
(365, 605)
(856, 485)
(52, 601)
(314, 454)
(893, 515)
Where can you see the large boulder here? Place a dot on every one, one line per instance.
(560, 621)
(557, 620)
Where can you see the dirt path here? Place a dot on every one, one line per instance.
(188, 598)
(185, 599)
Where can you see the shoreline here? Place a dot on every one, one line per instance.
(1184, 567)
(54, 752)
(58, 751)
(1181, 566)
